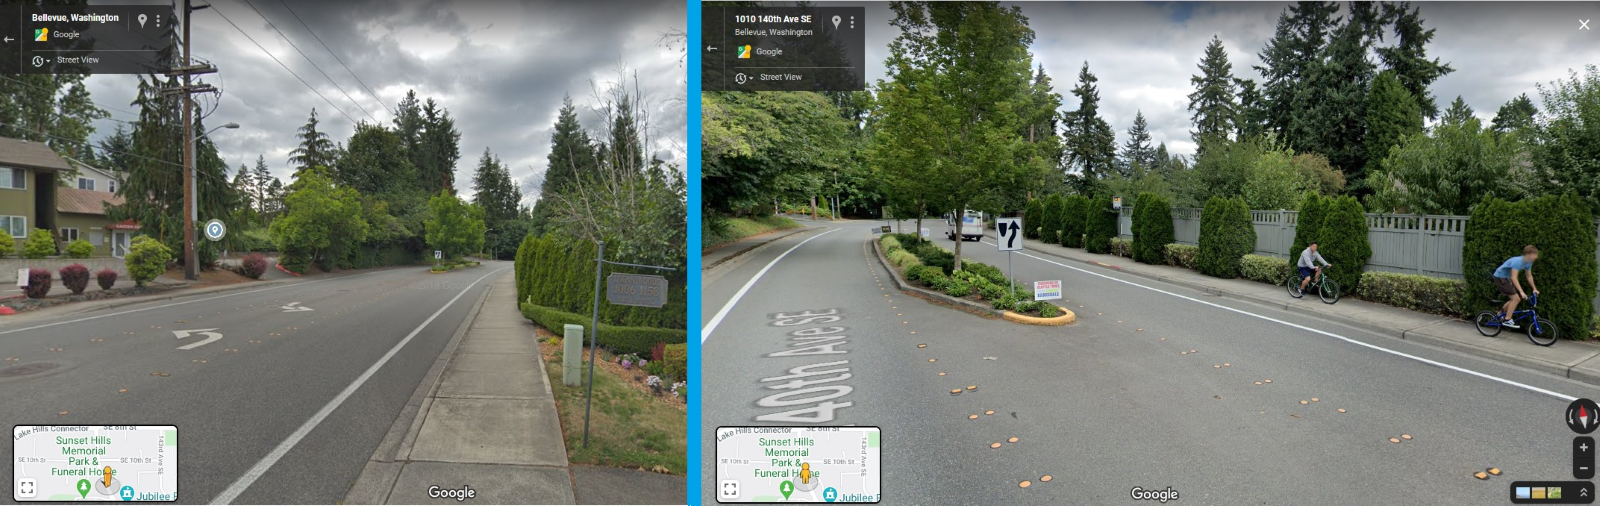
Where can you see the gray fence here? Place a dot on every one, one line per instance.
(1429, 245)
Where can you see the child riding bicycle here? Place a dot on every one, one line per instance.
(1308, 264)
(1505, 278)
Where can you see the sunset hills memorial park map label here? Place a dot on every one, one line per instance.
(95, 463)
(798, 464)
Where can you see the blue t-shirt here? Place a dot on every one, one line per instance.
(1515, 262)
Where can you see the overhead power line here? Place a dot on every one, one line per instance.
(309, 60)
(280, 64)
(336, 57)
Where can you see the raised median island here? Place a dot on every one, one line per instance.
(924, 269)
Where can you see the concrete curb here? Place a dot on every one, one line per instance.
(181, 292)
(1067, 316)
(930, 295)
(776, 235)
(1408, 334)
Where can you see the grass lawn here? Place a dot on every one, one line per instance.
(740, 228)
(628, 427)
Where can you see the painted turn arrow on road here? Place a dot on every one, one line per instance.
(211, 337)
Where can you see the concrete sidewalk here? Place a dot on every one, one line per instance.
(484, 418)
(1579, 360)
(488, 422)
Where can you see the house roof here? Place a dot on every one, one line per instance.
(30, 155)
(73, 200)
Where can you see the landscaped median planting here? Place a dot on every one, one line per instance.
(978, 287)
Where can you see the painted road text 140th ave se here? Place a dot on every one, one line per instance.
(806, 392)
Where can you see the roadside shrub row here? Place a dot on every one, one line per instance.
(1411, 291)
(619, 339)
(557, 272)
(1266, 269)
(1181, 255)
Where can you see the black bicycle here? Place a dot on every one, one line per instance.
(1327, 289)
(1540, 331)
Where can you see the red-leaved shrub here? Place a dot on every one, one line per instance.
(254, 265)
(106, 277)
(75, 277)
(38, 283)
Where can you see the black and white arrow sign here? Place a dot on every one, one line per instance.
(1008, 233)
(295, 307)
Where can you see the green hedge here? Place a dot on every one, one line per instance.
(1152, 228)
(618, 339)
(1308, 224)
(1226, 236)
(1563, 230)
(1422, 293)
(1181, 255)
(39, 244)
(1343, 241)
(1073, 226)
(902, 258)
(1030, 218)
(1052, 218)
(1122, 247)
(557, 271)
(1271, 270)
(1100, 225)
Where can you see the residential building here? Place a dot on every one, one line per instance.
(27, 187)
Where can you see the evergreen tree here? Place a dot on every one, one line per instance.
(315, 149)
(115, 148)
(1213, 102)
(571, 153)
(1408, 58)
(374, 163)
(440, 149)
(1392, 115)
(408, 125)
(1301, 32)
(1137, 154)
(1458, 113)
(1252, 113)
(244, 185)
(1331, 104)
(497, 195)
(1515, 115)
(1090, 143)
(262, 178)
(54, 109)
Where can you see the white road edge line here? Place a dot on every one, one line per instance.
(96, 317)
(717, 320)
(1530, 388)
(249, 478)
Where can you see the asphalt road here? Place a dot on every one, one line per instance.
(237, 399)
(1111, 402)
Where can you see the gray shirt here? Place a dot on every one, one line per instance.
(1310, 258)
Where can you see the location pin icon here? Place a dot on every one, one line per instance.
(142, 19)
(83, 488)
(836, 22)
(787, 487)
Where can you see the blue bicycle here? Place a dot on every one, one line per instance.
(1540, 331)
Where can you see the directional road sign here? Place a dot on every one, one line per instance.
(1008, 233)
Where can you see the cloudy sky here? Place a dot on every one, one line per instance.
(1145, 53)
(500, 67)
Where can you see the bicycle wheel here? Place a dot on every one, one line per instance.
(1293, 285)
(1329, 291)
(1542, 332)
(1487, 324)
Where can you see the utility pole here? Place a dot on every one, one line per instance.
(188, 89)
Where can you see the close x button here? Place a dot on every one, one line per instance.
(1552, 492)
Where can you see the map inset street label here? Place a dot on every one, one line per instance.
(798, 464)
(95, 463)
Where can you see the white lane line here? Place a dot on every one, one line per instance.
(250, 477)
(717, 320)
(1530, 388)
(119, 313)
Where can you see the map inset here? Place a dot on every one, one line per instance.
(95, 463)
(798, 464)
